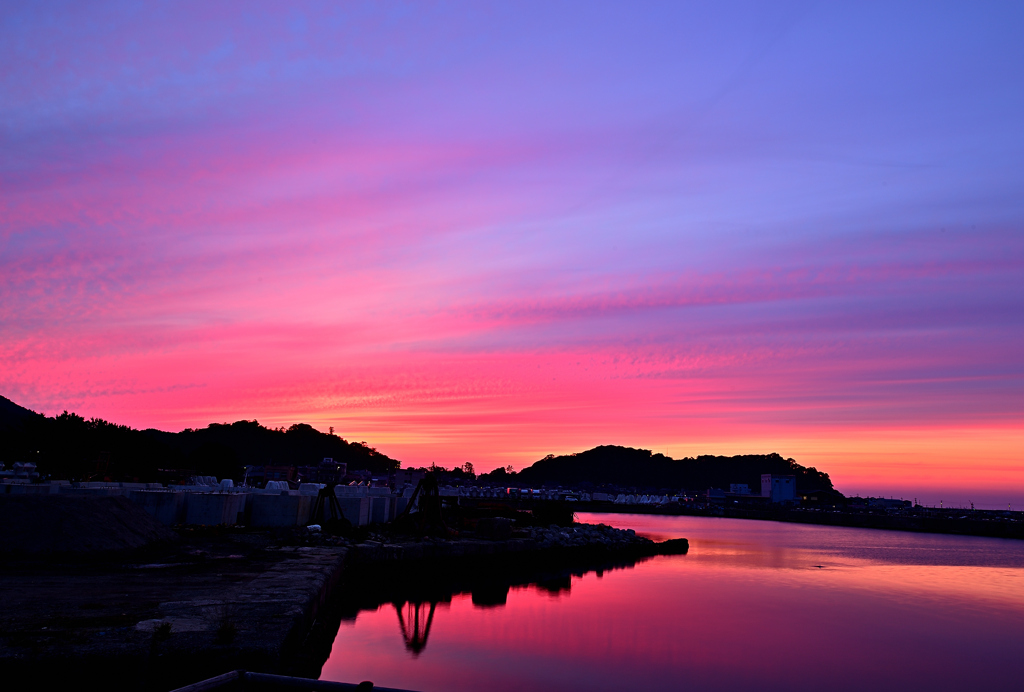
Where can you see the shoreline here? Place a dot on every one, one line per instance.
(226, 598)
(222, 600)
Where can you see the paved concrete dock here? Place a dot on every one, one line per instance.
(159, 618)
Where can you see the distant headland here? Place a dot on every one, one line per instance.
(615, 467)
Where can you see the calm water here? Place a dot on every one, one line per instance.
(754, 605)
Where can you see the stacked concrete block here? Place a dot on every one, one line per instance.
(213, 509)
(164, 506)
(31, 488)
(401, 499)
(398, 505)
(100, 490)
(246, 499)
(288, 508)
(355, 509)
(195, 489)
(351, 490)
(380, 507)
(355, 503)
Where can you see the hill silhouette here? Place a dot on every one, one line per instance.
(12, 415)
(69, 446)
(625, 467)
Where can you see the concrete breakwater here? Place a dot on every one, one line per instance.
(963, 522)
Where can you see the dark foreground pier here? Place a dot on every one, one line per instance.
(212, 600)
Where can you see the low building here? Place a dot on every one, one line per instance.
(403, 477)
(778, 488)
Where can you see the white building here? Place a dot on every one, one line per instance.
(778, 488)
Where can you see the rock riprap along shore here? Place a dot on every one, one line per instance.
(531, 543)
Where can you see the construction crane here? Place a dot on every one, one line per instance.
(428, 519)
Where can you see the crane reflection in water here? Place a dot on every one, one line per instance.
(414, 619)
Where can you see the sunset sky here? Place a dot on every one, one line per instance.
(489, 232)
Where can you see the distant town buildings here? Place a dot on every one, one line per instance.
(879, 503)
(327, 471)
(259, 475)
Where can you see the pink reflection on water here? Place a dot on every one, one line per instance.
(755, 605)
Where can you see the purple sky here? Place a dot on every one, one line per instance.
(490, 232)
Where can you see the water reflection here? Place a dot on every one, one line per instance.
(415, 618)
(754, 605)
(416, 597)
(415, 625)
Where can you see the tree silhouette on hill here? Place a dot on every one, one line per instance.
(625, 467)
(70, 446)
